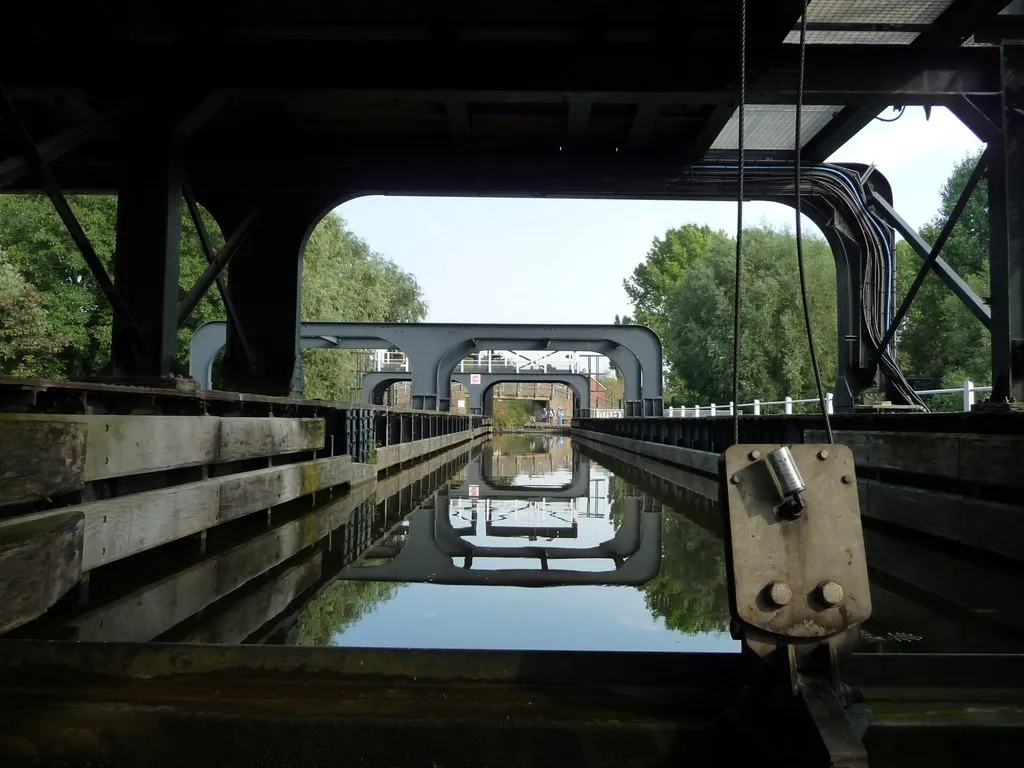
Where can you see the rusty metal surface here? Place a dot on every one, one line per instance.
(817, 559)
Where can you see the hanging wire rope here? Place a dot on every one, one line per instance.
(739, 228)
(799, 234)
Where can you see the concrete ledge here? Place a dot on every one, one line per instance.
(684, 478)
(698, 461)
(390, 455)
(984, 525)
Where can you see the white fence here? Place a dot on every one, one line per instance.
(758, 407)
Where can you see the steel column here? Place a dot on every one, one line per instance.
(265, 285)
(147, 254)
(1006, 227)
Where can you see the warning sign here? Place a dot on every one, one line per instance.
(474, 378)
(474, 490)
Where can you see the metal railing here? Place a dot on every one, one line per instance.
(757, 407)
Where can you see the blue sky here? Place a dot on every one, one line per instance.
(571, 256)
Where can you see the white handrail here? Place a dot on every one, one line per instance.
(968, 390)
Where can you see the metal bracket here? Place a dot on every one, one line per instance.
(798, 583)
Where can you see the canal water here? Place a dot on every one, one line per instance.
(522, 542)
(537, 514)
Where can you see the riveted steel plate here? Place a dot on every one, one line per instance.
(824, 546)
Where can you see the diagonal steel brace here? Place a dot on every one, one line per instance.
(947, 230)
(939, 265)
(60, 203)
(215, 266)
(210, 253)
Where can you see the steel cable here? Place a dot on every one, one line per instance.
(739, 228)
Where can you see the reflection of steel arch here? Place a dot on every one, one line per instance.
(435, 349)
(376, 383)
(579, 487)
(426, 555)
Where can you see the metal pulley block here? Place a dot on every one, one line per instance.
(794, 545)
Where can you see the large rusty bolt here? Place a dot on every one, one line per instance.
(830, 593)
(780, 593)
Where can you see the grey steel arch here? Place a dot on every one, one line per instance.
(375, 384)
(435, 349)
(431, 346)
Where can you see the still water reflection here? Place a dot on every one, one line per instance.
(526, 513)
(521, 542)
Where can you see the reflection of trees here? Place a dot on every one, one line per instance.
(517, 444)
(690, 591)
(340, 606)
(616, 495)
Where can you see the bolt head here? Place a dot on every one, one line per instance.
(780, 593)
(754, 455)
(735, 479)
(830, 593)
(847, 479)
(822, 455)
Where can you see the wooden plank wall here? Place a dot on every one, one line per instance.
(43, 456)
(46, 455)
(961, 487)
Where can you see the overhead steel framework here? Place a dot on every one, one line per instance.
(435, 350)
(481, 386)
(269, 116)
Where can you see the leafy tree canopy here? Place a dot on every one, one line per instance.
(55, 321)
(940, 338)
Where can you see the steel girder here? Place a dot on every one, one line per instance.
(376, 383)
(435, 349)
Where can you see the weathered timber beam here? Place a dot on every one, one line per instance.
(40, 560)
(47, 455)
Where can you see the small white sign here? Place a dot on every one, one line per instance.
(462, 403)
(474, 378)
(474, 490)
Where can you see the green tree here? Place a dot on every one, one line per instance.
(614, 389)
(344, 280)
(774, 361)
(28, 339)
(655, 279)
(42, 251)
(341, 605)
(940, 338)
(512, 413)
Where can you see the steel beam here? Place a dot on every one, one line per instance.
(833, 74)
(208, 251)
(376, 383)
(60, 204)
(954, 25)
(147, 253)
(215, 267)
(58, 145)
(265, 284)
(939, 265)
(936, 249)
(1006, 235)
(209, 338)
